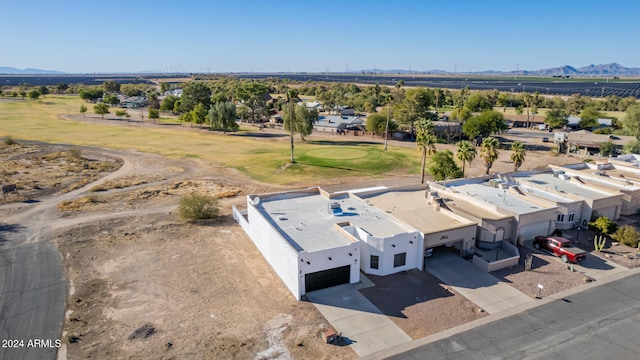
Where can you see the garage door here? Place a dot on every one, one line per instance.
(530, 231)
(327, 278)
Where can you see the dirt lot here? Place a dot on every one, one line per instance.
(428, 308)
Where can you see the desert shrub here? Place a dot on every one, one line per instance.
(627, 235)
(9, 141)
(198, 206)
(75, 153)
(603, 225)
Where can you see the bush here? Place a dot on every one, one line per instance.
(198, 206)
(627, 235)
(603, 225)
(9, 141)
(75, 153)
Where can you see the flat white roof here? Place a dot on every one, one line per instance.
(547, 180)
(306, 223)
(544, 194)
(497, 197)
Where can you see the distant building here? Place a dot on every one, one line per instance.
(337, 124)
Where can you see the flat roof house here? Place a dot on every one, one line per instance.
(314, 239)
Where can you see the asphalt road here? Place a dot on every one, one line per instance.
(32, 293)
(600, 323)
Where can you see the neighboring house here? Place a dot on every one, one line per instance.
(314, 239)
(347, 111)
(447, 129)
(312, 105)
(573, 122)
(611, 175)
(531, 217)
(587, 141)
(438, 227)
(339, 124)
(133, 102)
(174, 92)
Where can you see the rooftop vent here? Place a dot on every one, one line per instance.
(334, 209)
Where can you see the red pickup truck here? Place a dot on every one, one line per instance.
(560, 247)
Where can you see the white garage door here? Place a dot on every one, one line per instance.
(609, 212)
(530, 231)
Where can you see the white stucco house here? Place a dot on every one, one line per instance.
(314, 239)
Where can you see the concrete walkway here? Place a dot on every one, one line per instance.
(483, 289)
(359, 321)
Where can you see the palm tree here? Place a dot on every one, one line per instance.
(425, 141)
(489, 152)
(387, 98)
(518, 154)
(527, 99)
(466, 153)
(292, 96)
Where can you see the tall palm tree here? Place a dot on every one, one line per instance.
(466, 153)
(518, 154)
(425, 141)
(387, 98)
(527, 99)
(292, 96)
(489, 152)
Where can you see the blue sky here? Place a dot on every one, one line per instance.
(314, 36)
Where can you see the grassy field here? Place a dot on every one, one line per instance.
(265, 159)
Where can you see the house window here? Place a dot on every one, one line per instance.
(560, 217)
(373, 263)
(571, 217)
(399, 259)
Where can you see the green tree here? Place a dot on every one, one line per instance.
(556, 118)
(111, 86)
(198, 114)
(83, 109)
(43, 90)
(254, 96)
(222, 116)
(92, 94)
(443, 166)
(111, 99)
(466, 153)
(478, 102)
(518, 154)
(414, 107)
(152, 98)
(527, 99)
(194, 93)
(589, 118)
(122, 113)
(489, 152)
(426, 142)
(61, 88)
(101, 109)
(631, 122)
(603, 225)
(164, 87)
(487, 123)
(628, 235)
(154, 114)
(607, 148)
(34, 95)
(168, 103)
(377, 122)
(632, 147)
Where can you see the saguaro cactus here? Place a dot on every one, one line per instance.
(598, 242)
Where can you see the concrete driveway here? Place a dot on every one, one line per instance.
(482, 288)
(360, 322)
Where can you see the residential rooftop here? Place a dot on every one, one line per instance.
(498, 197)
(551, 183)
(306, 222)
(411, 207)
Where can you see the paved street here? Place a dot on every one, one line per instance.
(599, 323)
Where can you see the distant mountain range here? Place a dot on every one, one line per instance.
(27, 71)
(612, 69)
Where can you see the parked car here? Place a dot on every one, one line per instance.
(560, 247)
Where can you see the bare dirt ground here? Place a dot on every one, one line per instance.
(613, 251)
(144, 284)
(419, 303)
(553, 275)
